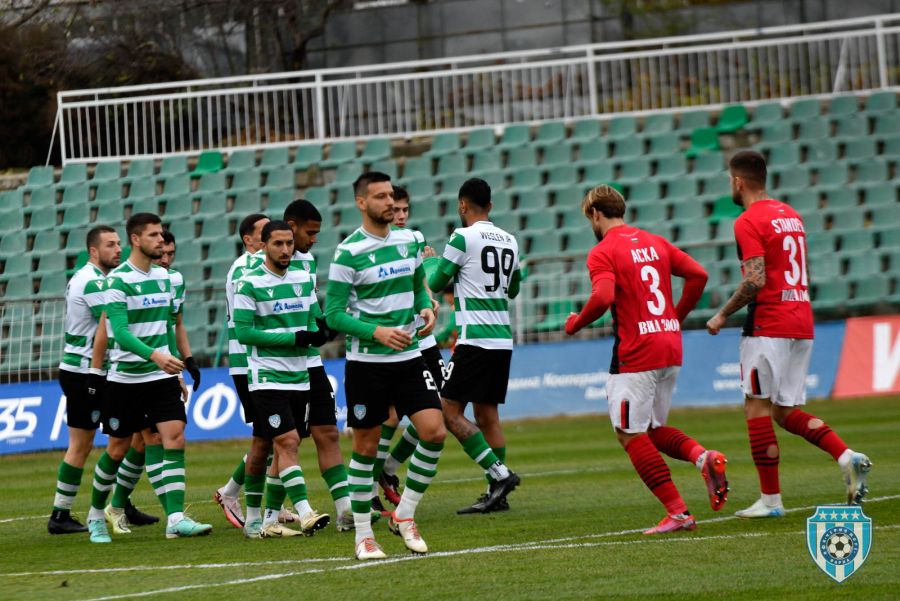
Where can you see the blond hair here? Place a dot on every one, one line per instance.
(606, 199)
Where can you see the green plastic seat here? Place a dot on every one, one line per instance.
(241, 160)
(766, 114)
(622, 127)
(803, 201)
(592, 151)
(886, 216)
(41, 198)
(514, 136)
(39, 177)
(716, 186)
(572, 219)
(580, 241)
(559, 154)
(417, 167)
(686, 212)
(634, 170)
(451, 164)
(833, 176)
(307, 156)
(495, 179)
(433, 230)
(732, 118)
(802, 110)
(52, 262)
(598, 173)
(561, 176)
(705, 139)
(863, 265)
(450, 185)
(842, 106)
(856, 240)
(814, 129)
(214, 229)
(872, 171)
(43, 219)
(386, 166)
(209, 161)
(692, 231)
(52, 285)
(139, 169)
(145, 188)
(212, 207)
(585, 130)
(320, 197)
(670, 167)
(76, 194)
(840, 198)
(273, 158)
(664, 145)
(444, 143)
(501, 201)
(225, 249)
(339, 153)
(376, 149)
(283, 177)
(724, 209)
(175, 165)
(724, 228)
(783, 156)
(657, 124)
(247, 179)
(547, 244)
(110, 213)
(248, 202)
(486, 160)
(10, 221)
(426, 209)
(847, 220)
(692, 120)
(74, 173)
(13, 243)
(891, 149)
(12, 200)
(887, 125)
(550, 134)
(628, 147)
(650, 213)
(419, 188)
(190, 252)
(17, 266)
(881, 102)
(821, 153)
(519, 158)
(510, 222)
(777, 133)
(146, 205)
(181, 184)
(791, 180)
(277, 201)
(880, 195)
(872, 290)
(110, 191)
(643, 192)
(532, 200)
(178, 207)
(209, 182)
(107, 171)
(851, 126)
(479, 139)
(860, 149)
(76, 216)
(821, 243)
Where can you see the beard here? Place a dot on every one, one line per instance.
(597, 234)
(153, 253)
(380, 218)
(111, 264)
(737, 199)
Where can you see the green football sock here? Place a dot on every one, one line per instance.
(239, 472)
(403, 450)
(295, 485)
(384, 446)
(104, 477)
(422, 470)
(154, 467)
(68, 479)
(254, 484)
(275, 493)
(173, 479)
(360, 483)
(477, 448)
(127, 478)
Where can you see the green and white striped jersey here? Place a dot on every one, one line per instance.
(268, 310)
(428, 341)
(178, 292)
(84, 305)
(485, 258)
(144, 302)
(237, 352)
(307, 262)
(380, 281)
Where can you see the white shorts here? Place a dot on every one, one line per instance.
(775, 369)
(639, 401)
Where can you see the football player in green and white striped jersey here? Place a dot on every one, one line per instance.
(275, 311)
(482, 261)
(254, 462)
(142, 386)
(376, 290)
(84, 305)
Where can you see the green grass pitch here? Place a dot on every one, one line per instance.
(571, 533)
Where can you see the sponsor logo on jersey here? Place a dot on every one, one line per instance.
(286, 306)
(275, 420)
(839, 538)
(153, 302)
(359, 411)
(389, 271)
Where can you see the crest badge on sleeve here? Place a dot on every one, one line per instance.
(839, 538)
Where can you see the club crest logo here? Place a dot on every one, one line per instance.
(839, 538)
(297, 289)
(114, 423)
(95, 416)
(359, 411)
(275, 420)
(404, 251)
(307, 266)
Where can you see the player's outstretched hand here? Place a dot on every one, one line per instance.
(430, 319)
(571, 329)
(168, 363)
(393, 338)
(428, 252)
(191, 366)
(716, 323)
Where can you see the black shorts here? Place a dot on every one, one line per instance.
(477, 375)
(280, 411)
(372, 388)
(435, 363)
(249, 407)
(322, 406)
(134, 407)
(82, 410)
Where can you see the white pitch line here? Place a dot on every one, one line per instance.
(551, 541)
(537, 546)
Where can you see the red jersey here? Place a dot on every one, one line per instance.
(774, 231)
(647, 329)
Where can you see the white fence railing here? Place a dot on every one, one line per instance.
(424, 97)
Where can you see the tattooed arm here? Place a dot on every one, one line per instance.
(754, 281)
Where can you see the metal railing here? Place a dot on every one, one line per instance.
(424, 97)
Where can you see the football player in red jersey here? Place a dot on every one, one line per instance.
(631, 273)
(777, 337)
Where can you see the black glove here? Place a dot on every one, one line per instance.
(191, 366)
(95, 384)
(307, 338)
(323, 327)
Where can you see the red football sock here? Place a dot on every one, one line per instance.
(815, 431)
(655, 473)
(675, 443)
(764, 447)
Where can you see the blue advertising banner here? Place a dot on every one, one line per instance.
(545, 379)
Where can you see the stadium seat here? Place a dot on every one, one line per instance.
(419, 188)
(852, 126)
(814, 129)
(732, 118)
(178, 207)
(641, 192)
(13, 243)
(74, 173)
(547, 244)
(444, 143)
(106, 171)
(860, 149)
(886, 217)
(41, 198)
(283, 177)
(858, 240)
(12, 200)
(833, 176)
(725, 229)
(376, 149)
(274, 158)
(146, 205)
(532, 200)
(870, 291)
(239, 161)
(524, 180)
(622, 127)
(592, 152)
(847, 220)
(872, 171)
(863, 265)
(705, 255)
(514, 136)
(485, 161)
(451, 164)
(76, 194)
(693, 231)
(139, 169)
(178, 184)
(307, 156)
(813, 222)
(687, 212)
(418, 167)
(387, 166)
(670, 167)
(804, 110)
(717, 185)
(518, 158)
(190, 252)
(479, 139)
(660, 123)
(650, 213)
(628, 147)
(17, 266)
(664, 145)
(211, 207)
(558, 154)
(842, 106)
(510, 222)
(693, 120)
(146, 187)
(803, 201)
(634, 170)
(581, 240)
(110, 191)
(881, 102)
(76, 216)
(792, 180)
(210, 183)
(890, 239)
(776, 133)
(571, 219)
(247, 179)
(550, 134)
(584, 130)
(209, 161)
(880, 195)
(214, 229)
(173, 165)
(501, 201)
(783, 156)
(10, 220)
(43, 219)
(39, 177)
(338, 154)
(54, 262)
(110, 213)
(598, 173)
(52, 285)
(561, 176)
(705, 139)
(724, 208)
(821, 153)
(766, 114)
(821, 243)
(891, 149)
